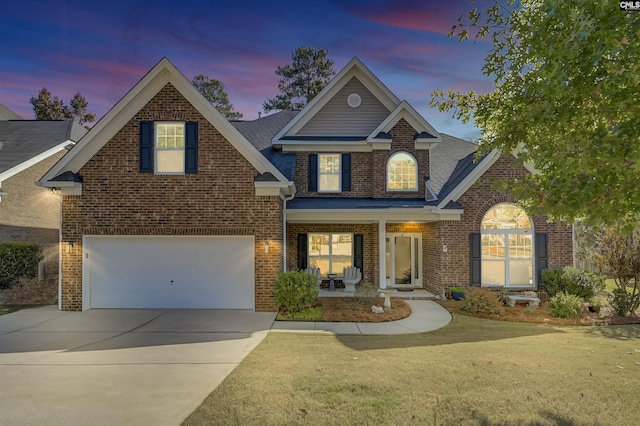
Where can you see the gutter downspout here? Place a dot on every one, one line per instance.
(284, 230)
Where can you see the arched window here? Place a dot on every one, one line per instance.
(402, 172)
(507, 247)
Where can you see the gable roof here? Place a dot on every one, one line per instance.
(425, 132)
(24, 143)
(158, 77)
(355, 68)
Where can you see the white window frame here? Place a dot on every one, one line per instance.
(339, 173)
(330, 256)
(395, 154)
(157, 149)
(505, 232)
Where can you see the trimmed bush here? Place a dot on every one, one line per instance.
(565, 305)
(18, 260)
(572, 281)
(481, 301)
(295, 290)
(621, 302)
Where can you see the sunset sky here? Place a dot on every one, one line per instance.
(102, 49)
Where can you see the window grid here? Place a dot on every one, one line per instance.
(329, 172)
(330, 252)
(402, 173)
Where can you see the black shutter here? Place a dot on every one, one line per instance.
(146, 147)
(313, 172)
(542, 258)
(475, 260)
(346, 172)
(302, 251)
(191, 147)
(358, 252)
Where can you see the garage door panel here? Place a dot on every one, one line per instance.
(171, 272)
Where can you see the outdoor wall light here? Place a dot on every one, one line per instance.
(68, 247)
(266, 247)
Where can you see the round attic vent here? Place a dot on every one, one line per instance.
(354, 100)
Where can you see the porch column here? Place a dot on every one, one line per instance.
(382, 253)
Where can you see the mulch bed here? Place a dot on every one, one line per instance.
(541, 315)
(354, 309)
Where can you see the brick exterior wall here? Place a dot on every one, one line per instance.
(369, 169)
(443, 269)
(219, 200)
(32, 214)
(454, 265)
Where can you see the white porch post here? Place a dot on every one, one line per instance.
(382, 253)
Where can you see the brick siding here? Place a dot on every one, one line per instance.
(219, 200)
(369, 169)
(443, 269)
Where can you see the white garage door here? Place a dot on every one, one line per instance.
(169, 272)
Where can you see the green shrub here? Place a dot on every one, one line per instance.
(572, 281)
(295, 290)
(503, 296)
(18, 260)
(565, 305)
(621, 302)
(481, 300)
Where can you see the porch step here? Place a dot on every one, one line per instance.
(416, 294)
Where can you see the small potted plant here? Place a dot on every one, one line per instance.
(457, 293)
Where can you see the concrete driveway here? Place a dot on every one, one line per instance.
(118, 366)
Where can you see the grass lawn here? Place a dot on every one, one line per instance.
(472, 372)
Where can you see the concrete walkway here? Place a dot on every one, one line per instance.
(426, 315)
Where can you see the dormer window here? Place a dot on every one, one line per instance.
(402, 172)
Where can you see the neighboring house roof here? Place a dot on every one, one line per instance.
(7, 114)
(24, 143)
(163, 73)
(260, 132)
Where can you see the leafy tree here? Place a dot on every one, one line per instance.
(301, 81)
(47, 107)
(616, 250)
(567, 76)
(213, 90)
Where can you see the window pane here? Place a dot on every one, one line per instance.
(341, 245)
(329, 182)
(493, 272)
(493, 246)
(520, 272)
(339, 263)
(170, 161)
(506, 216)
(320, 262)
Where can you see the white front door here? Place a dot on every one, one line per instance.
(404, 260)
